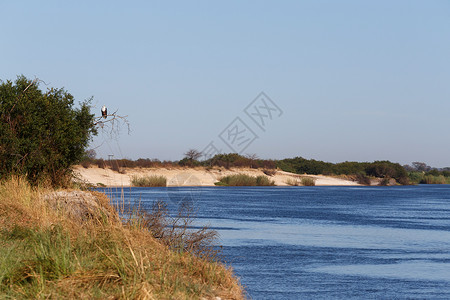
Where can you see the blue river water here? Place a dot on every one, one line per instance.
(325, 242)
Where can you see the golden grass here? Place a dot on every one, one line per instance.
(47, 253)
(292, 181)
(149, 181)
(305, 181)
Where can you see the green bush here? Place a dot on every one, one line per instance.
(41, 134)
(149, 181)
(264, 181)
(245, 180)
(361, 178)
(415, 177)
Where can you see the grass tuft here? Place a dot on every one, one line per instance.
(149, 181)
(293, 181)
(308, 181)
(245, 180)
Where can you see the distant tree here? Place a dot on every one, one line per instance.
(387, 169)
(42, 134)
(91, 154)
(433, 172)
(252, 157)
(421, 167)
(192, 154)
(190, 158)
(409, 168)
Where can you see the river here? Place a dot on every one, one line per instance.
(326, 242)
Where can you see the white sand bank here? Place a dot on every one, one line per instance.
(194, 176)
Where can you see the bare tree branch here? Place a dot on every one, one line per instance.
(112, 121)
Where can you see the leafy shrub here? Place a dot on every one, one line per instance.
(387, 169)
(415, 177)
(362, 179)
(41, 134)
(86, 164)
(149, 181)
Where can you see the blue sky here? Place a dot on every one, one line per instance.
(356, 80)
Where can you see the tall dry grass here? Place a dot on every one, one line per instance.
(292, 181)
(46, 252)
(305, 181)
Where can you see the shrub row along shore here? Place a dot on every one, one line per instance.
(364, 173)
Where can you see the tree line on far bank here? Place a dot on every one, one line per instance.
(359, 171)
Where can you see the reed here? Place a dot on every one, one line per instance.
(431, 179)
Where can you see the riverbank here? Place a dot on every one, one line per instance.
(59, 244)
(199, 176)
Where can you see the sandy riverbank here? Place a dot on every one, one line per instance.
(193, 176)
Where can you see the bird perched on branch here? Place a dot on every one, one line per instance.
(104, 112)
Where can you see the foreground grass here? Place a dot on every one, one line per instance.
(149, 181)
(45, 252)
(245, 180)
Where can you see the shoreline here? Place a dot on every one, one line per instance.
(197, 176)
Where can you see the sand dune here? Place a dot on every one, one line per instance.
(193, 176)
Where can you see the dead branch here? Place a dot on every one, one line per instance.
(112, 122)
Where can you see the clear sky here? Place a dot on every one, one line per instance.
(355, 80)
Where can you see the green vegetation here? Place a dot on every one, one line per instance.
(149, 181)
(361, 171)
(362, 178)
(41, 134)
(245, 180)
(308, 181)
(429, 177)
(234, 160)
(47, 252)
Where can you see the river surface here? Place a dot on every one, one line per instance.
(326, 242)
